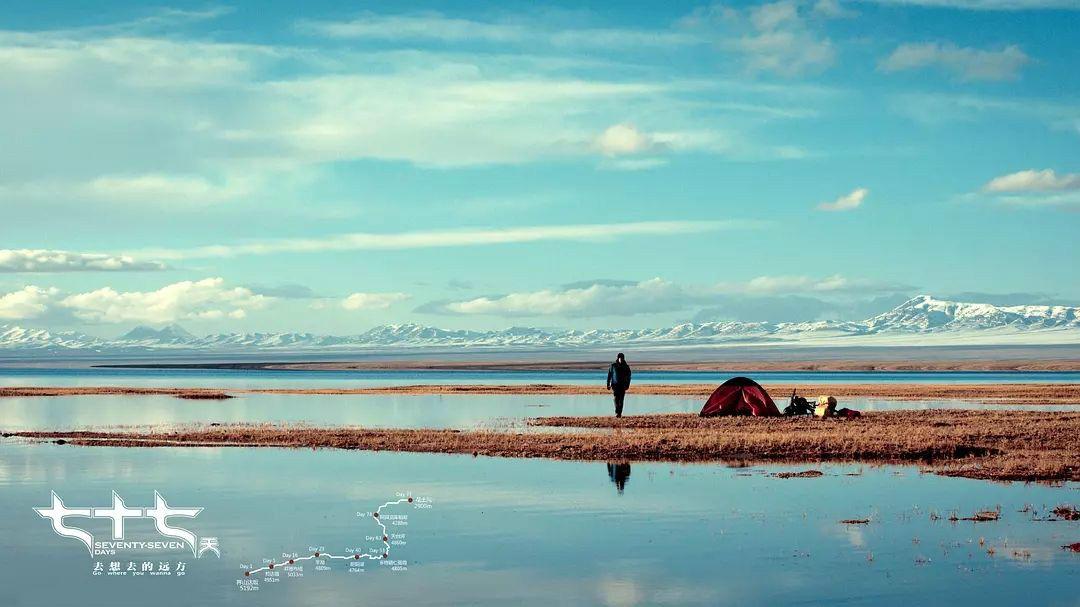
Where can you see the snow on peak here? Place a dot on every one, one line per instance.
(960, 322)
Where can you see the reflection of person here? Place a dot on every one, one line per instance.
(618, 381)
(618, 472)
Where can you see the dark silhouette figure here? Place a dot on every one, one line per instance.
(618, 381)
(618, 472)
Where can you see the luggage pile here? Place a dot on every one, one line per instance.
(825, 407)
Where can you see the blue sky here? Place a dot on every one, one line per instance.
(262, 166)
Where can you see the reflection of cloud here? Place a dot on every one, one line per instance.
(619, 592)
(854, 534)
(1030, 555)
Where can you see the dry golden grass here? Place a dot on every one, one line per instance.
(185, 393)
(1003, 445)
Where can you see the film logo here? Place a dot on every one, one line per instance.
(119, 513)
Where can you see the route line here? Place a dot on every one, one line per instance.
(357, 556)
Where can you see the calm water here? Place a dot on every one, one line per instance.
(377, 411)
(303, 379)
(534, 532)
(390, 411)
(500, 531)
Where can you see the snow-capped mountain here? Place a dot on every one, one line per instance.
(920, 320)
(171, 334)
(925, 314)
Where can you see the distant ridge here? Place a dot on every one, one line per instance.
(922, 320)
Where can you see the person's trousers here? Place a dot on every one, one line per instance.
(619, 395)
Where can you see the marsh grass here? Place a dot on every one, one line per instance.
(999, 445)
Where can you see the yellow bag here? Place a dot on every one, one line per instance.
(826, 406)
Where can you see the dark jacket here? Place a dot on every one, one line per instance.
(618, 376)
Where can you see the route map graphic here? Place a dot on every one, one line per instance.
(391, 524)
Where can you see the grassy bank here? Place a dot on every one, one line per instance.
(1000, 445)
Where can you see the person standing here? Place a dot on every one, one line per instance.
(618, 381)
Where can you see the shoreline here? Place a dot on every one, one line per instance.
(995, 445)
(1064, 394)
(726, 366)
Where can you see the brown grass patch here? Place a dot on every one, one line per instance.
(204, 396)
(1067, 513)
(800, 474)
(1000, 445)
(983, 516)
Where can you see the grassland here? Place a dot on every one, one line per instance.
(998, 445)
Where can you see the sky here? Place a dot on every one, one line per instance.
(330, 167)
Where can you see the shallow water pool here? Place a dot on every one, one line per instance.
(529, 532)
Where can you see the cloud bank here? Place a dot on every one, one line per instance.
(656, 295)
(207, 299)
(51, 260)
(453, 238)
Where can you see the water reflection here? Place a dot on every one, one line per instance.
(373, 411)
(619, 473)
(535, 532)
(241, 378)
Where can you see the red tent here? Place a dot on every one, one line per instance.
(739, 396)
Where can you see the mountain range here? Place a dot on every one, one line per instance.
(922, 320)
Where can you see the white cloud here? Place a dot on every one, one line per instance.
(646, 297)
(161, 188)
(632, 164)
(939, 108)
(774, 285)
(847, 202)
(436, 26)
(372, 301)
(29, 302)
(170, 120)
(616, 298)
(624, 138)
(963, 62)
(205, 299)
(833, 9)
(49, 260)
(1032, 180)
(1031, 188)
(453, 238)
(780, 37)
(986, 5)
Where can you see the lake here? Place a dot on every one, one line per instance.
(532, 532)
(489, 531)
(246, 378)
(461, 411)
